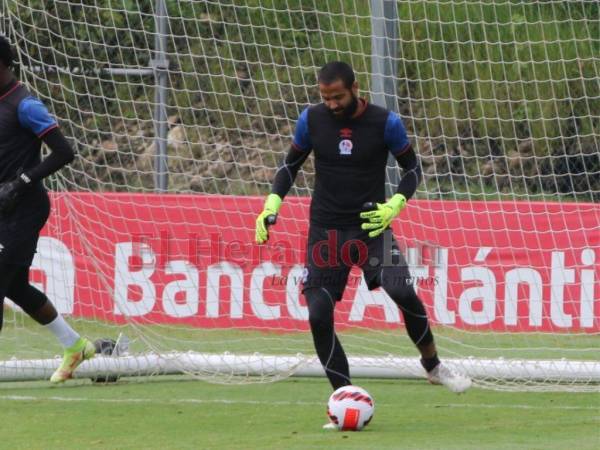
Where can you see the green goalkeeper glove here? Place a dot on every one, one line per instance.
(380, 218)
(267, 217)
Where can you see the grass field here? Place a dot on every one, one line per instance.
(23, 338)
(178, 413)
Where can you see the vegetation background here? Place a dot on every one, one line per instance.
(500, 98)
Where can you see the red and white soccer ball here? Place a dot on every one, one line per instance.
(350, 408)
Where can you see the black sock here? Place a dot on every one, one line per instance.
(430, 363)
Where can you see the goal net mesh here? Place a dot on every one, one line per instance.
(500, 100)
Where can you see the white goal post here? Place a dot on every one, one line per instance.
(181, 111)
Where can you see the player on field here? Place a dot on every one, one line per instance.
(24, 206)
(351, 139)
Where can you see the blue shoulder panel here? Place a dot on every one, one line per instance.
(34, 116)
(395, 134)
(302, 137)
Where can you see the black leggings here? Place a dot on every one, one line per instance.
(329, 350)
(321, 307)
(14, 283)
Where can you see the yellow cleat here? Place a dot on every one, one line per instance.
(73, 357)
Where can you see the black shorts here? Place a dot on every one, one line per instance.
(330, 255)
(20, 231)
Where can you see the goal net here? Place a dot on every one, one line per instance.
(181, 111)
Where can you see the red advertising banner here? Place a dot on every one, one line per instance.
(191, 260)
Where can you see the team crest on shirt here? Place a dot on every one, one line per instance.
(346, 147)
(346, 144)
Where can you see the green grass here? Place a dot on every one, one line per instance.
(23, 338)
(172, 413)
(180, 413)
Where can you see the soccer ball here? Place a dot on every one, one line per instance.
(350, 408)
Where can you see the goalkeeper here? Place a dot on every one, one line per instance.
(351, 140)
(24, 206)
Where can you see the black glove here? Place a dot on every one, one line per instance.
(11, 192)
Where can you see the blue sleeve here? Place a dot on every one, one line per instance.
(34, 116)
(395, 135)
(302, 137)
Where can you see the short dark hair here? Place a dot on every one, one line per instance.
(6, 52)
(337, 70)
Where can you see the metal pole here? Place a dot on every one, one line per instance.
(384, 25)
(160, 64)
(4, 20)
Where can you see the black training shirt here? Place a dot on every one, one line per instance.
(350, 160)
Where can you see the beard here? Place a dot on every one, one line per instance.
(347, 112)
